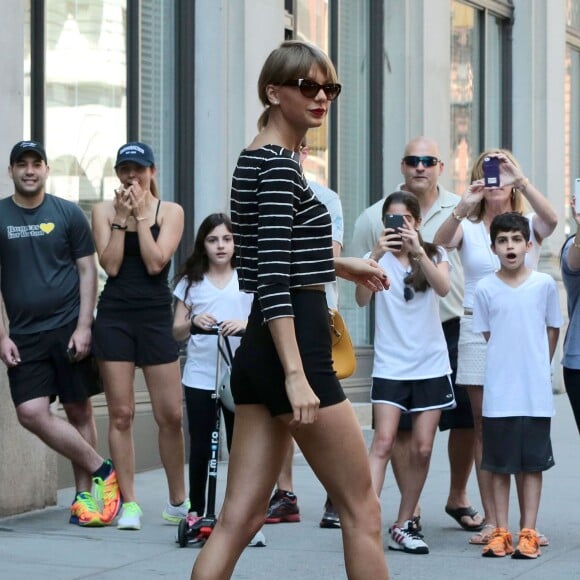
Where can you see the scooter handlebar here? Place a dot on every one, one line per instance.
(213, 330)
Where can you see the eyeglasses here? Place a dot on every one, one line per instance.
(426, 160)
(310, 89)
(408, 293)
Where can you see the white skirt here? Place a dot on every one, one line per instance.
(471, 354)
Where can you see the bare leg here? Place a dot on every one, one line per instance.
(335, 449)
(255, 462)
(80, 416)
(483, 477)
(529, 493)
(401, 463)
(118, 379)
(35, 416)
(285, 480)
(500, 486)
(423, 434)
(386, 423)
(164, 384)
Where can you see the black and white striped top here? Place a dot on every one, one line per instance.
(282, 233)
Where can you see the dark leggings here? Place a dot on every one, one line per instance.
(201, 418)
(572, 382)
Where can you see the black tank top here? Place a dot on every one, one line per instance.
(133, 288)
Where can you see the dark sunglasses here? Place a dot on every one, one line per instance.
(408, 293)
(426, 160)
(310, 89)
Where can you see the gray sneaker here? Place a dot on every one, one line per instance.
(258, 541)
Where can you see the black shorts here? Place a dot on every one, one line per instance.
(460, 417)
(45, 370)
(257, 374)
(143, 337)
(516, 444)
(414, 396)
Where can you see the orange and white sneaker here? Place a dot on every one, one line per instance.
(84, 511)
(500, 544)
(528, 545)
(108, 492)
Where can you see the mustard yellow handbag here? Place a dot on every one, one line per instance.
(343, 358)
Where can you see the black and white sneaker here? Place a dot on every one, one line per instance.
(407, 539)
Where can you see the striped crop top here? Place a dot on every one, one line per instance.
(282, 233)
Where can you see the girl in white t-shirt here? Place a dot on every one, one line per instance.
(207, 294)
(411, 371)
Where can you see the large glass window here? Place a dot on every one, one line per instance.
(477, 93)
(85, 108)
(27, 64)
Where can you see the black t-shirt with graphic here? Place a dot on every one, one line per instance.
(38, 252)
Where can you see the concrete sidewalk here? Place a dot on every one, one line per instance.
(43, 545)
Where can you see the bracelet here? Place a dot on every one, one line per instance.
(141, 218)
(417, 257)
(523, 184)
(458, 217)
(118, 227)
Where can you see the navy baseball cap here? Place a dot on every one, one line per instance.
(136, 152)
(24, 147)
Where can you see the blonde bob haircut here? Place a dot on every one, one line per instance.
(292, 60)
(518, 201)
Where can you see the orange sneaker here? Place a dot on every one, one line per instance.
(85, 511)
(500, 544)
(107, 490)
(528, 545)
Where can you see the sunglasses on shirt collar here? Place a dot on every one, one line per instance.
(310, 89)
(426, 160)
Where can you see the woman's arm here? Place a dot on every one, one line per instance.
(362, 271)
(156, 254)
(110, 243)
(573, 254)
(181, 321)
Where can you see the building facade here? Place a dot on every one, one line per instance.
(86, 76)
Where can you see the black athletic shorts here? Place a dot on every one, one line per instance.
(460, 417)
(516, 444)
(143, 337)
(46, 371)
(257, 374)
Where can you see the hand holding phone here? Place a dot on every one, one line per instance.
(394, 222)
(71, 353)
(491, 171)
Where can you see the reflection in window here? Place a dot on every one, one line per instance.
(26, 129)
(312, 26)
(465, 99)
(572, 120)
(85, 96)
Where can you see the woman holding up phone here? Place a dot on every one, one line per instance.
(411, 369)
(467, 229)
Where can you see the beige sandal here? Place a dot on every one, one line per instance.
(482, 537)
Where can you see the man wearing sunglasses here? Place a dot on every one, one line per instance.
(421, 167)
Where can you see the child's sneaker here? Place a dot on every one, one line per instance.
(130, 518)
(258, 541)
(283, 508)
(406, 538)
(499, 545)
(528, 545)
(108, 492)
(175, 513)
(84, 511)
(330, 518)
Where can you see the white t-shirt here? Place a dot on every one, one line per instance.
(517, 373)
(226, 303)
(478, 259)
(409, 342)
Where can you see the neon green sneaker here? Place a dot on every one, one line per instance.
(175, 513)
(130, 518)
(85, 511)
(108, 492)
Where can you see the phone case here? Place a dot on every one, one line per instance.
(577, 194)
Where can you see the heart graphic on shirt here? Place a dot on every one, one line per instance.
(47, 228)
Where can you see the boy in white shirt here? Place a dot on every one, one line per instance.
(518, 312)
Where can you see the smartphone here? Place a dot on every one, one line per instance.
(491, 171)
(577, 194)
(394, 221)
(71, 353)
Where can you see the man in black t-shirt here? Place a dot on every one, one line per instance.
(48, 281)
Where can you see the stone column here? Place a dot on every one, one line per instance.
(27, 466)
